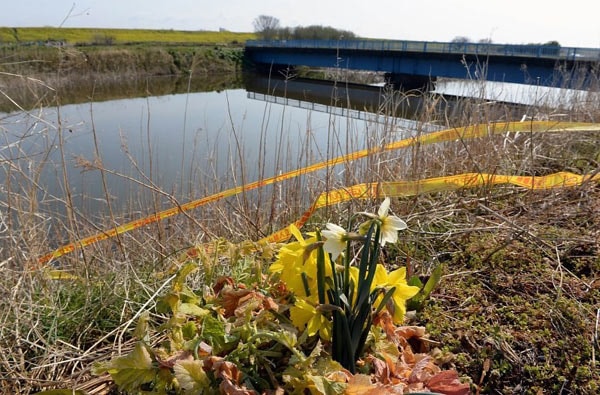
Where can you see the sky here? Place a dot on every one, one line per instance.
(572, 23)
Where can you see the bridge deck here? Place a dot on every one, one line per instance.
(418, 62)
(528, 51)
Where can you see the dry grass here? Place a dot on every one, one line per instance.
(520, 266)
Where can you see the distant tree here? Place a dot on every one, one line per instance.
(318, 32)
(461, 40)
(552, 43)
(266, 26)
(485, 41)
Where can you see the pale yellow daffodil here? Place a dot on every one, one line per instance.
(335, 240)
(390, 224)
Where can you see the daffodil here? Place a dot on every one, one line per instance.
(305, 314)
(297, 267)
(402, 291)
(335, 240)
(390, 224)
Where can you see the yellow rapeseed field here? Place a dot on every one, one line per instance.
(117, 36)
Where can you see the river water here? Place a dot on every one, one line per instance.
(138, 148)
(128, 151)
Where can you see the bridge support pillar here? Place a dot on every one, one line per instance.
(407, 82)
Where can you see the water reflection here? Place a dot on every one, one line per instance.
(29, 93)
(165, 143)
(161, 139)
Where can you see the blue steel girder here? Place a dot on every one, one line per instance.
(543, 71)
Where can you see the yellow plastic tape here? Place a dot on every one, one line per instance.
(438, 184)
(466, 132)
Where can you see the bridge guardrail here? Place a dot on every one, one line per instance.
(485, 49)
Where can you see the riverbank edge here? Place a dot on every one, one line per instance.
(134, 61)
(31, 76)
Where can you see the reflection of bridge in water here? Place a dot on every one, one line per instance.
(371, 104)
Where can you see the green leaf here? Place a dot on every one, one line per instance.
(191, 376)
(324, 386)
(320, 271)
(188, 296)
(192, 309)
(189, 330)
(179, 281)
(213, 332)
(388, 295)
(131, 371)
(417, 302)
(433, 281)
(415, 281)
(141, 329)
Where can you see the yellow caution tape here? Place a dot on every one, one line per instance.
(437, 184)
(466, 132)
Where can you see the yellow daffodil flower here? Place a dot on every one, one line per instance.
(297, 265)
(304, 314)
(402, 292)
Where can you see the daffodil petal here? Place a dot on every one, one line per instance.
(314, 324)
(336, 228)
(394, 222)
(384, 208)
(405, 292)
(398, 276)
(381, 276)
(296, 233)
(389, 236)
(334, 247)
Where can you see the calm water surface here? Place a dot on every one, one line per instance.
(185, 144)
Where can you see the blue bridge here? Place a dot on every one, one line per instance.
(415, 63)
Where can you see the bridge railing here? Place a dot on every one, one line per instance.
(538, 51)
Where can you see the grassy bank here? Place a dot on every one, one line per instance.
(39, 75)
(137, 60)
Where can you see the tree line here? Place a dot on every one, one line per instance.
(269, 28)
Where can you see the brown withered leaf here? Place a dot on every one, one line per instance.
(448, 382)
(204, 349)
(361, 384)
(230, 374)
(409, 332)
(230, 299)
(221, 283)
(270, 304)
(238, 302)
(248, 303)
(423, 370)
(381, 370)
(408, 356)
(385, 321)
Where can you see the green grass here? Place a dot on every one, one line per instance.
(84, 36)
